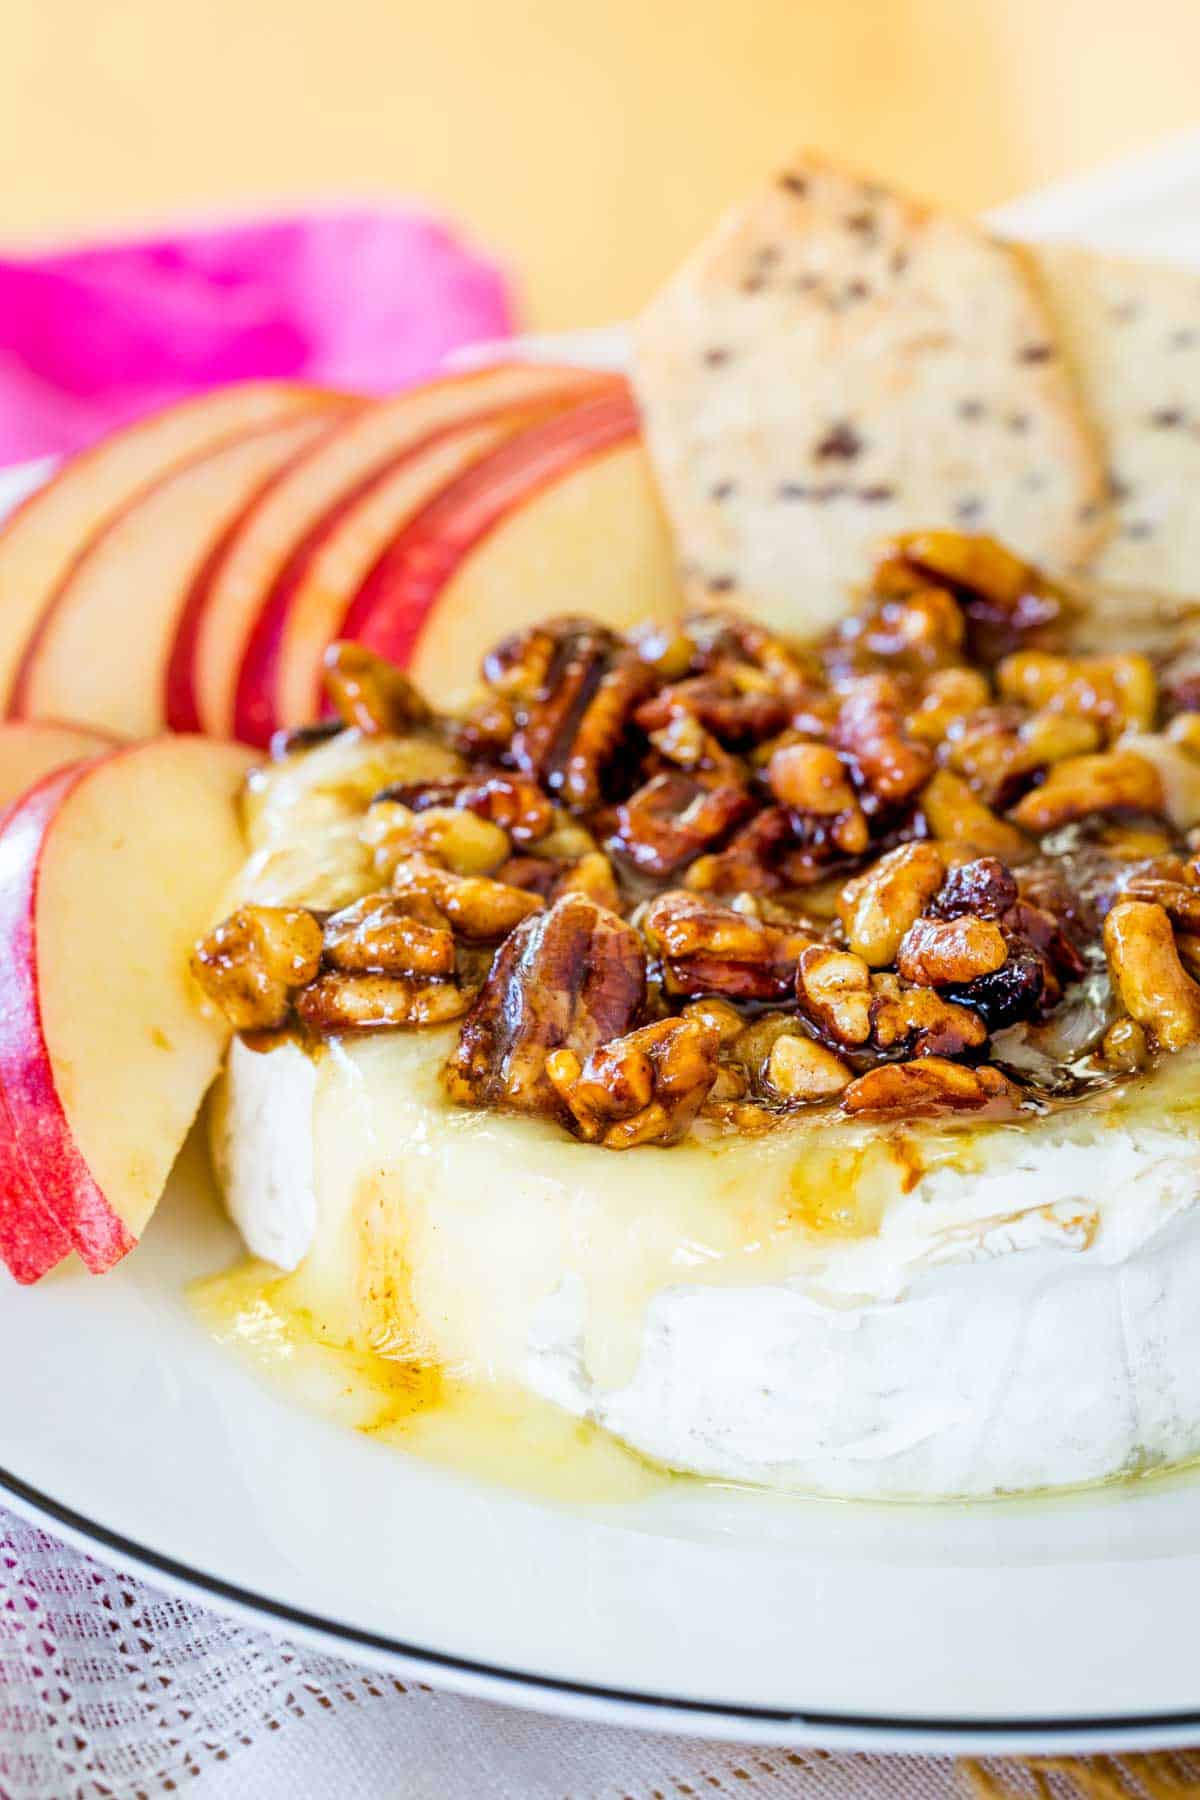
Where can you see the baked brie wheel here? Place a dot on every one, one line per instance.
(783, 1057)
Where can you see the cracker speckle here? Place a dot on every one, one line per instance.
(717, 356)
(792, 183)
(1184, 339)
(875, 496)
(723, 490)
(971, 410)
(841, 443)
(1035, 353)
(968, 509)
(1166, 418)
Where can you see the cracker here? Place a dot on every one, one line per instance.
(837, 363)
(1131, 333)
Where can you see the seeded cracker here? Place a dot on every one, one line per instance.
(1131, 333)
(837, 363)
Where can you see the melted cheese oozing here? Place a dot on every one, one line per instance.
(923, 1313)
(870, 1311)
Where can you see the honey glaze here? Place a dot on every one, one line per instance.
(492, 1431)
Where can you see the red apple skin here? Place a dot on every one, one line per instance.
(39, 1134)
(40, 538)
(256, 708)
(390, 609)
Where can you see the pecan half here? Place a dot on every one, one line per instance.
(574, 704)
(252, 963)
(706, 948)
(917, 1089)
(570, 978)
(643, 1088)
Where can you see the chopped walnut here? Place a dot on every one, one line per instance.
(1179, 900)
(1007, 604)
(478, 909)
(1108, 781)
(337, 1002)
(516, 805)
(877, 907)
(800, 1070)
(812, 779)
(724, 1019)
(918, 1021)
(1124, 1046)
(460, 840)
(870, 728)
(960, 821)
(930, 1085)
(643, 1088)
(592, 875)
(255, 960)
(378, 936)
(572, 977)
(1155, 988)
(707, 948)
(1118, 692)
(371, 694)
(947, 696)
(834, 989)
(675, 817)
(947, 952)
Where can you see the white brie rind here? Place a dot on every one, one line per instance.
(851, 1309)
(854, 1312)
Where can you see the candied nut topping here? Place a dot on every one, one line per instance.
(370, 694)
(572, 977)
(877, 907)
(255, 960)
(643, 1088)
(944, 952)
(707, 948)
(1154, 986)
(693, 872)
(800, 1069)
(1110, 781)
(932, 1085)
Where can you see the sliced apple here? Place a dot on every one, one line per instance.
(565, 518)
(109, 870)
(223, 607)
(32, 748)
(48, 529)
(101, 649)
(304, 609)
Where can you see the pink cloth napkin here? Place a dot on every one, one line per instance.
(358, 298)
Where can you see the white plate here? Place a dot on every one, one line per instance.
(1063, 1624)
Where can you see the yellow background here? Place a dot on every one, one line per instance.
(590, 141)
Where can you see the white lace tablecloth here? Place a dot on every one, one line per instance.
(111, 1689)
